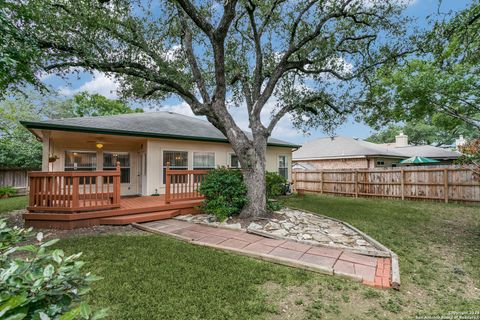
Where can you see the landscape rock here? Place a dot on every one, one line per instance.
(296, 225)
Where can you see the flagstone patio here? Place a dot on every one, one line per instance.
(372, 271)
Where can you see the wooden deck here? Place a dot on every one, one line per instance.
(76, 199)
(131, 209)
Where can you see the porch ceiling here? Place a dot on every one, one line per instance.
(89, 140)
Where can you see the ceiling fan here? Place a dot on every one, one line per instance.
(99, 143)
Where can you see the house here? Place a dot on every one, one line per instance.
(342, 152)
(143, 143)
(90, 165)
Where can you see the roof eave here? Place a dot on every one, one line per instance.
(50, 126)
(349, 157)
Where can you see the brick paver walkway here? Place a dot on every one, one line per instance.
(369, 270)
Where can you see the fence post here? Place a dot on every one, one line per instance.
(356, 183)
(402, 183)
(294, 181)
(321, 182)
(445, 184)
(167, 183)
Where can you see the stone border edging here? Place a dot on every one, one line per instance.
(393, 255)
(359, 251)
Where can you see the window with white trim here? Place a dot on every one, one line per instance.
(283, 166)
(110, 163)
(234, 163)
(178, 161)
(81, 161)
(203, 160)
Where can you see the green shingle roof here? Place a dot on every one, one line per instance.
(148, 124)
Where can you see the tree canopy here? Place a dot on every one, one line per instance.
(441, 83)
(89, 105)
(18, 147)
(424, 132)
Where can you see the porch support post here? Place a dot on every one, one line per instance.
(99, 163)
(45, 150)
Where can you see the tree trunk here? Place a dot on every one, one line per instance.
(253, 169)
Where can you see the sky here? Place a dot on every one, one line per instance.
(102, 84)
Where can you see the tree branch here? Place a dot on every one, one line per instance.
(192, 12)
(258, 71)
(188, 47)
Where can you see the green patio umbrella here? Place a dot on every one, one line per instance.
(418, 160)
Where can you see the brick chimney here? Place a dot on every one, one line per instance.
(460, 142)
(401, 140)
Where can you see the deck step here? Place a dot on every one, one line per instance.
(139, 217)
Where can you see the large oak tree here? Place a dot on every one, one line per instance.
(309, 58)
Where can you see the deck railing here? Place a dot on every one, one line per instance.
(181, 185)
(74, 191)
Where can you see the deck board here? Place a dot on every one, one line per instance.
(128, 206)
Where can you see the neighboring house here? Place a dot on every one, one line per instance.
(143, 143)
(341, 152)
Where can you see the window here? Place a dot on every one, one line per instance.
(80, 160)
(283, 166)
(380, 163)
(203, 160)
(110, 163)
(178, 161)
(234, 163)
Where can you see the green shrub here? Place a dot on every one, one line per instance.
(275, 184)
(7, 191)
(224, 191)
(39, 283)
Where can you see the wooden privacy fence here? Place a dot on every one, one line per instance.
(438, 183)
(74, 191)
(183, 184)
(16, 178)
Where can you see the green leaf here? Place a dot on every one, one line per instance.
(12, 303)
(48, 271)
(100, 314)
(57, 255)
(50, 243)
(29, 247)
(71, 315)
(85, 310)
(17, 316)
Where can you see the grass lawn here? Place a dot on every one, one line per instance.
(13, 203)
(155, 277)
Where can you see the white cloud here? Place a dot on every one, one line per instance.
(181, 108)
(100, 83)
(173, 53)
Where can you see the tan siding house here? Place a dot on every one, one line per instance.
(143, 143)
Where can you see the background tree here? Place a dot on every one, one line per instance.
(430, 132)
(309, 58)
(18, 147)
(18, 56)
(88, 105)
(442, 81)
